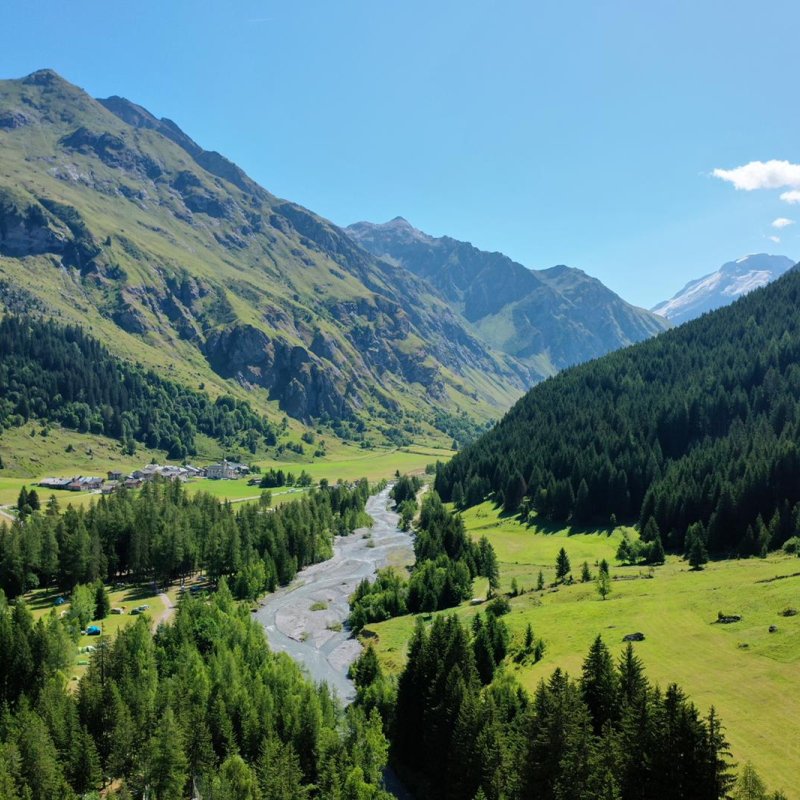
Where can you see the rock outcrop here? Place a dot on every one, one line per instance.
(304, 385)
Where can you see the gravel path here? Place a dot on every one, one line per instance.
(310, 637)
(168, 612)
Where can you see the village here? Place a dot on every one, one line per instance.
(115, 480)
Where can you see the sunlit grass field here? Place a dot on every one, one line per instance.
(41, 602)
(750, 675)
(349, 463)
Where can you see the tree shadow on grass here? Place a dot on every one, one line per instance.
(550, 528)
(135, 593)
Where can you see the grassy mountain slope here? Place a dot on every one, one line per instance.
(173, 257)
(548, 319)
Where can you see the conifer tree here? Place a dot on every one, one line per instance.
(562, 565)
(491, 570)
(650, 531)
(482, 648)
(515, 492)
(458, 495)
(698, 555)
(53, 507)
(86, 774)
(655, 551)
(749, 785)
(528, 637)
(599, 685)
(538, 650)
(632, 682)
(102, 603)
(603, 583)
(166, 762)
(278, 770)
(624, 551)
(33, 500)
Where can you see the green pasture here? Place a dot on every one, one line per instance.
(751, 676)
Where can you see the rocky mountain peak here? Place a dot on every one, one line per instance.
(132, 228)
(548, 318)
(44, 77)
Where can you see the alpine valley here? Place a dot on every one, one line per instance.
(170, 255)
(299, 511)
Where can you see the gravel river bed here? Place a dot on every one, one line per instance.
(310, 637)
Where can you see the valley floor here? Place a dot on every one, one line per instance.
(28, 456)
(750, 675)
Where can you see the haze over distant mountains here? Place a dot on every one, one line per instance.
(730, 282)
(548, 319)
(119, 221)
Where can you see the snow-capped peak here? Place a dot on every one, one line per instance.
(731, 281)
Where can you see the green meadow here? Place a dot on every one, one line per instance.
(238, 491)
(41, 602)
(28, 456)
(750, 675)
(349, 462)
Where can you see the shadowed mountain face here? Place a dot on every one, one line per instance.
(117, 220)
(549, 319)
(730, 282)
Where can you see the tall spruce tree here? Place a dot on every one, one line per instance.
(563, 567)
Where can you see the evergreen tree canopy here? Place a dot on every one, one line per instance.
(464, 731)
(59, 373)
(699, 425)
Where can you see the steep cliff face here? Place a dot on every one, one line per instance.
(27, 229)
(546, 319)
(120, 221)
(305, 385)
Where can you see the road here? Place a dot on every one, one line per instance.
(169, 610)
(310, 637)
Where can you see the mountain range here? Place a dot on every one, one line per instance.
(547, 319)
(730, 282)
(174, 257)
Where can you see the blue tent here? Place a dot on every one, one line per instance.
(60, 601)
(93, 630)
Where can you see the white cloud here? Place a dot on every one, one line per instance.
(782, 222)
(791, 197)
(763, 175)
(776, 239)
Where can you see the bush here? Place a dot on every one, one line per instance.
(498, 607)
(792, 546)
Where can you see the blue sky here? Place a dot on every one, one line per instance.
(580, 133)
